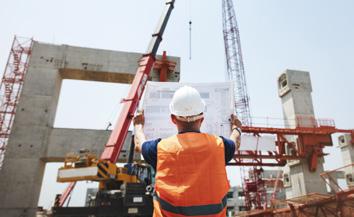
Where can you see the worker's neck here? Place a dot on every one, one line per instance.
(188, 129)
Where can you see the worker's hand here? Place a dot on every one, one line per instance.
(139, 118)
(235, 130)
(139, 136)
(235, 122)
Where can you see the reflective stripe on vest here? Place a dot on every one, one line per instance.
(192, 210)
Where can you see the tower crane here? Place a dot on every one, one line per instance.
(234, 62)
(236, 73)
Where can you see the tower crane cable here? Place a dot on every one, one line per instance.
(190, 39)
(190, 29)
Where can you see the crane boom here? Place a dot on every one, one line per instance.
(234, 62)
(119, 133)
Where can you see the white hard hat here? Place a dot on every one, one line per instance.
(187, 102)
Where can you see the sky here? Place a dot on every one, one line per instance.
(316, 36)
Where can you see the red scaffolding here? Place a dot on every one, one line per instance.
(11, 86)
(255, 190)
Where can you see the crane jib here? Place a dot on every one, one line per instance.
(118, 135)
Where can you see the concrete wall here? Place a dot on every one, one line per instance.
(347, 150)
(295, 91)
(33, 140)
(294, 88)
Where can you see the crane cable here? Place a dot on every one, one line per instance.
(190, 40)
(190, 29)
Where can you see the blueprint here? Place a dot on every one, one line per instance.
(158, 95)
(219, 106)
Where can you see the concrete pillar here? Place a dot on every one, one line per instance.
(33, 140)
(295, 89)
(347, 150)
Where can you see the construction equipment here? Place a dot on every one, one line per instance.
(123, 191)
(86, 166)
(236, 73)
(310, 143)
(254, 190)
(234, 62)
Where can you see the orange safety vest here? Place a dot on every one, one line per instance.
(191, 177)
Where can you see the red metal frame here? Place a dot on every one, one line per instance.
(164, 66)
(309, 144)
(11, 86)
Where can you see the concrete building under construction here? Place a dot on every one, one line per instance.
(31, 141)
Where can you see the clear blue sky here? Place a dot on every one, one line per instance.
(316, 36)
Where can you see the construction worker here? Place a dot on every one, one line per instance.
(190, 169)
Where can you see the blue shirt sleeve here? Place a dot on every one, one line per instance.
(229, 147)
(149, 152)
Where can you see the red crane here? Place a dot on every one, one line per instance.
(120, 131)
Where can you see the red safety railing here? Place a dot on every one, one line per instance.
(299, 121)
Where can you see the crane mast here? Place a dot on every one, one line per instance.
(234, 62)
(253, 186)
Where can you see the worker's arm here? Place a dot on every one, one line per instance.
(139, 136)
(235, 130)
